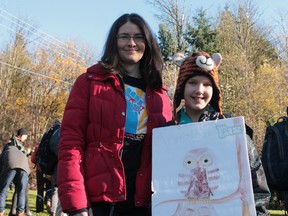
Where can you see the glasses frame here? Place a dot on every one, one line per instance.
(137, 38)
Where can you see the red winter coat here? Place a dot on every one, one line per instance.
(92, 134)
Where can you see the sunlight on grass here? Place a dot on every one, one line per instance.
(32, 203)
(276, 212)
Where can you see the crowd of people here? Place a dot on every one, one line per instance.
(14, 173)
(105, 149)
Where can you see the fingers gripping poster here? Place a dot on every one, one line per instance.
(202, 169)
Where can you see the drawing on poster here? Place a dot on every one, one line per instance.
(197, 161)
(209, 175)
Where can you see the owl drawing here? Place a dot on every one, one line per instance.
(202, 174)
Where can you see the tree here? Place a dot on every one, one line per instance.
(172, 15)
(250, 68)
(171, 35)
(36, 79)
(201, 35)
(167, 42)
(14, 81)
(281, 37)
(239, 32)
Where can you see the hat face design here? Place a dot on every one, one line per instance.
(204, 62)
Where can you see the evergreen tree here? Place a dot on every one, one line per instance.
(201, 35)
(166, 42)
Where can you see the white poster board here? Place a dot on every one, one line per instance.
(202, 169)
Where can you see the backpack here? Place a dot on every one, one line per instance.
(275, 154)
(46, 159)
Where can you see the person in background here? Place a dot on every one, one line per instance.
(197, 86)
(106, 134)
(44, 185)
(15, 168)
(56, 208)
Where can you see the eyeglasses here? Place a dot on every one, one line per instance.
(126, 38)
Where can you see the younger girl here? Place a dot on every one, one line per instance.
(198, 87)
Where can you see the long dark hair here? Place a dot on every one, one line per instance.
(151, 64)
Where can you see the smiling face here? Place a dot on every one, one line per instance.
(130, 50)
(198, 93)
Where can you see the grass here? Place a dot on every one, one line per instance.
(276, 212)
(32, 205)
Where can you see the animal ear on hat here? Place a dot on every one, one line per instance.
(217, 58)
(178, 58)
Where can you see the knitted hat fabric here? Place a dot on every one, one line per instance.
(199, 63)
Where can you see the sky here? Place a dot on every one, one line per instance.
(89, 21)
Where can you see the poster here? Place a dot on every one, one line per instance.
(202, 169)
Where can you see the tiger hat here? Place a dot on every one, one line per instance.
(199, 63)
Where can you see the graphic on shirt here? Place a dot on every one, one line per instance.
(134, 99)
(136, 115)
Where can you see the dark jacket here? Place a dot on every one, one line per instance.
(92, 134)
(53, 145)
